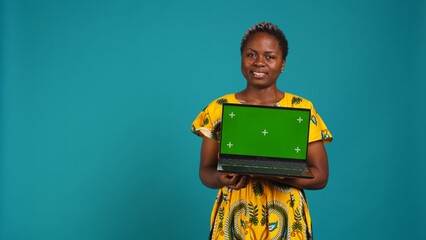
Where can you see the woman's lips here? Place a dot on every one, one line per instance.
(259, 74)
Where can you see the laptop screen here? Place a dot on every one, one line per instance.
(261, 131)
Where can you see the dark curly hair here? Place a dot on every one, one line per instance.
(270, 28)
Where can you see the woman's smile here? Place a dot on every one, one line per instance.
(258, 74)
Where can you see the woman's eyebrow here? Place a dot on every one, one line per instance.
(266, 52)
(250, 49)
(271, 51)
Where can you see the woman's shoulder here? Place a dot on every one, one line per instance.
(218, 102)
(295, 101)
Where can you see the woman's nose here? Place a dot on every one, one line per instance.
(259, 61)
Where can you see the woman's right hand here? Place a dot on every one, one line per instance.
(208, 169)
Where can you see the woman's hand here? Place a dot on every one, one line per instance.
(208, 169)
(234, 181)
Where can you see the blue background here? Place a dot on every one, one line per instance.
(97, 98)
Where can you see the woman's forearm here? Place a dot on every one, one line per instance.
(210, 177)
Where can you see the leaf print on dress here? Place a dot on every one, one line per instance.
(221, 101)
(264, 215)
(258, 188)
(217, 129)
(220, 225)
(297, 227)
(253, 212)
(296, 100)
(205, 122)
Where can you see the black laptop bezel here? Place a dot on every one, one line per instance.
(266, 158)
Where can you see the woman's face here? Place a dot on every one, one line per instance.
(262, 60)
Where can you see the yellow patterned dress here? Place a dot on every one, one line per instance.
(264, 209)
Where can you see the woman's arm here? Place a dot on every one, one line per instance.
(318, 164)
(208, 169)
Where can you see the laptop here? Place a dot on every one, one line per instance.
(262, 140)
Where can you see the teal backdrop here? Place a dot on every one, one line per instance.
(97, 99)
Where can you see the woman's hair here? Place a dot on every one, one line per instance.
(267, 28)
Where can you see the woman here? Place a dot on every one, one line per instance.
(261, 207)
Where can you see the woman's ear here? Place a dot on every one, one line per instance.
(282, 66)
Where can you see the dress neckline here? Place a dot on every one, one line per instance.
(277, 104)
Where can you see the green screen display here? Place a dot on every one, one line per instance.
(265, 131)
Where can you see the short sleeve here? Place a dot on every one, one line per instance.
(208, 121)
(202, 125)
(317, 128)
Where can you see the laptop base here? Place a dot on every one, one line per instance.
(267, 168)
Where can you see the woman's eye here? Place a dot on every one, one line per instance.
(250, 55)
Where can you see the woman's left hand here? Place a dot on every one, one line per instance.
(234, 181)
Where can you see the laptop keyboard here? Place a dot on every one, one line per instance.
(267, 164)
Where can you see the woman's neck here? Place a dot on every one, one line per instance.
(267, 97)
